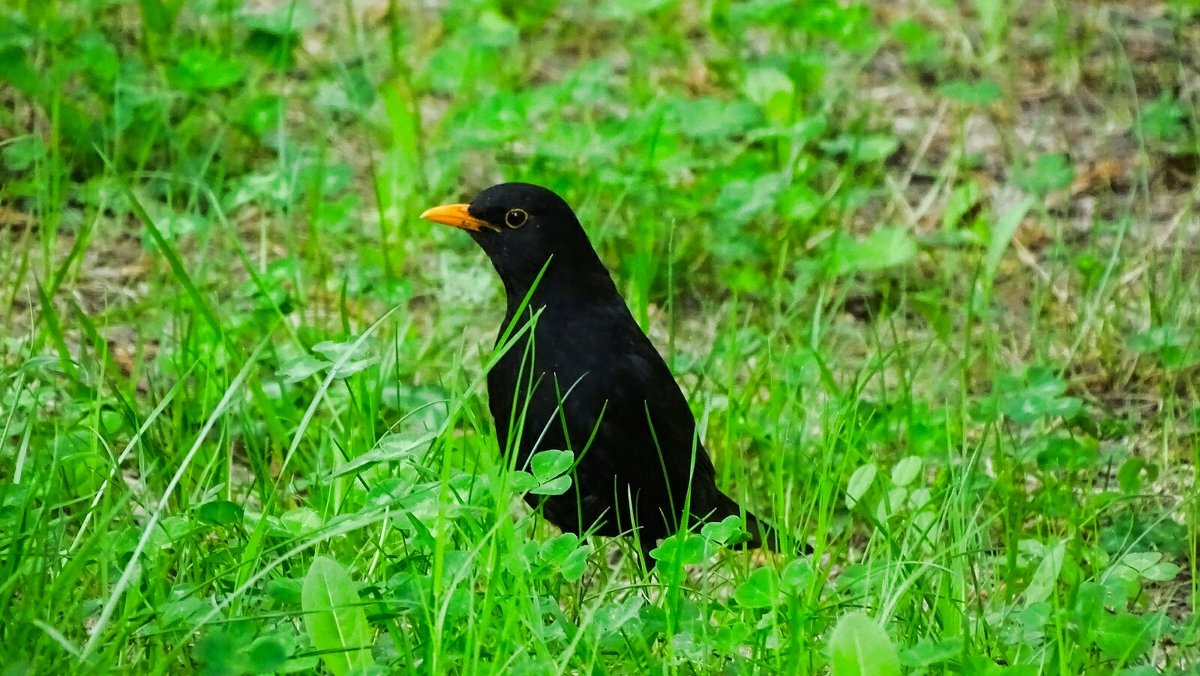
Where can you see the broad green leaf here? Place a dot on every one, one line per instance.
(764, 84)
(341, 352)
(216, 650)
(1045, 578)
(860, 482)
(624, 10)
(724, 530)
(494, 30)
(1030, 406)
(335, 618)
(1176, 349)
(1046, 174)
(1124, 636)
(301, 521)
(522, 481)
(796, 575)
(286, 18)
(555, 486)
(926, 652)
(1129, 476)
(199, 69)
(302, 367)
(759, 590)
(187, 609)
(858, 646)
(1040, 396)
(546, 465)
(922, 45)
(1141, 561)
(575, 565)
(21, 153)
(906, 471)
(1154, 339)
(1067, 452)
(285, 591)
(682, 548)
(556, 549)
(1150, 565)
(772, 90)
(711, 118)
(884, 248)
(1000, 236)
(1164, 119)
(567, 554)
(612, 617)
(220, 512)
(1162, 572)
(963, 200)
(978, 93)
(862, 148)
(266, 654)
(389, 448)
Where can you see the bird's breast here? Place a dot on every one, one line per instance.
(554, 382)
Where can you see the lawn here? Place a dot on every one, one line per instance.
(928, 272)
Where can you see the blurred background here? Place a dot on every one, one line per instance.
(926, 269)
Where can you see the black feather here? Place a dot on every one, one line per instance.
(585, 378)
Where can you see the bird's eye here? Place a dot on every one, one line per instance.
(515, 218)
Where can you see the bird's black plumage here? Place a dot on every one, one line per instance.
(586, 378)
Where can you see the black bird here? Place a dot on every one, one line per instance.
(586, 378)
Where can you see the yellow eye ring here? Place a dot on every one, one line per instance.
(515, 218)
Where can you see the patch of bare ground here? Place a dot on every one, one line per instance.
(1081, 101)
(1075, 79)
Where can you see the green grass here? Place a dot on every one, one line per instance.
(926, 271)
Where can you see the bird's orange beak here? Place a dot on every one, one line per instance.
(455, 215)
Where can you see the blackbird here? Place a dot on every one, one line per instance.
(586, 378)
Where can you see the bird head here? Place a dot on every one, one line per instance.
(520, 227)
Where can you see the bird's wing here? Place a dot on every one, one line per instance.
(645, 431)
